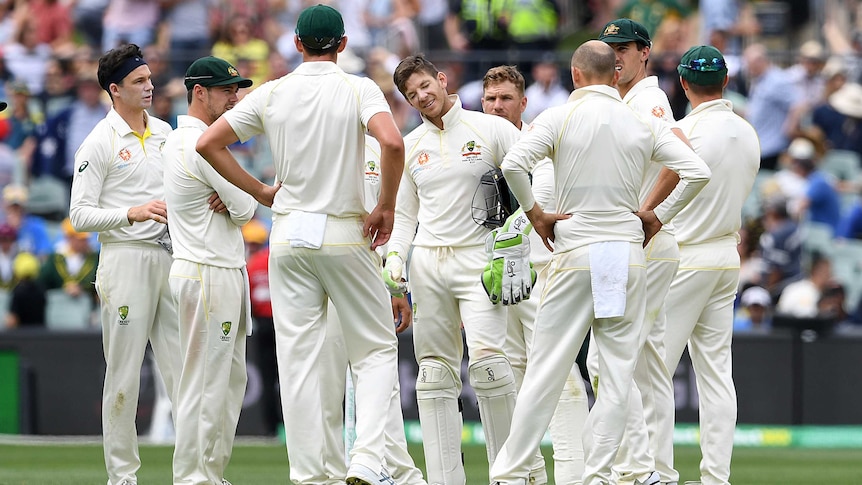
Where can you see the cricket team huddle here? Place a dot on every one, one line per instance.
(624, 235)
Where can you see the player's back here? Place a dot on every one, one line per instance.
(729, 146)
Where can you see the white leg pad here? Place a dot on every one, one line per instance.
(441, 422)
(494, 384)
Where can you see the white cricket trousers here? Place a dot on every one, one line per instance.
(567, 423)
(565, 316)
(643, 450)
(302, 280)
(136, 308)
(212, 307)
(447, 292)
(399, 463)
(700, 313)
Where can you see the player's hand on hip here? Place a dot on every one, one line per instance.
(544, 222)
(402, 314)
(378, 226)
(651, 224)
(216, 204)
(266, 194)
(393, 275)
(154, 210)
(509, 276)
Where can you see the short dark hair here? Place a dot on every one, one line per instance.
(322, 52)
(411, 65)
(710, 90)
(500, 74)
(111, 60)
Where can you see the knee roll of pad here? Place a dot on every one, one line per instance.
(437, 390)
(494, 384)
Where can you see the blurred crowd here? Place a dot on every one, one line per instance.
(795, 76)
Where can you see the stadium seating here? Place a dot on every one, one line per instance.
(64, 312)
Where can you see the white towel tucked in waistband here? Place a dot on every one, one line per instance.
(609, 274)
(305, 229)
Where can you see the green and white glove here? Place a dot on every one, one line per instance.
(392, 275)
(509, 275)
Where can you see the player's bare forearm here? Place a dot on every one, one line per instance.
(667, 181)
(382, 127)
(378, 225)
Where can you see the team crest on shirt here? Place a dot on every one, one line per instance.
(225, 329)
(423, 158)
(125, 154)
(471, 152)
(658, 112)
(123, 311)
(372, 172)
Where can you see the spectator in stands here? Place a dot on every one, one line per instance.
(807, 72)
(59, 88)
(27, 58)
(130, 21)
(800, 298)
(238, 43)
(23, 121)
(72, 266)
(473, 29)
(8, 251)
(188, 26)
(32, 231)
(820, 202)
(546, 90)
(27, 300)
(851, 225)
(771, 97)
(255, 235)
(756, 312)
(832, 303)
(530, 27)
(54, 27)
(259, 14)
(59, 138)
(751, 264)
(87, 18)
(840, 119)
(780, 246)
(653, 13)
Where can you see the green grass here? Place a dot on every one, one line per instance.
(266, 464)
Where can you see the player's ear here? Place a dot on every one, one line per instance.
(444, 81)
(343, 44)
(297, 43)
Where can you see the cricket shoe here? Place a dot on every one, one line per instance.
(362, 475)
(652, 479)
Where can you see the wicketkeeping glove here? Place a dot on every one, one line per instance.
(509, 275)
(392, 275)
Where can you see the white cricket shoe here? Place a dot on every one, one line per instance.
(362, 475)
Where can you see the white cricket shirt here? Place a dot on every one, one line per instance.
(199, 234)
(729, 146)
(600, 148)
(315, 120)
(442, 171)
(116, 169)
(648, 99)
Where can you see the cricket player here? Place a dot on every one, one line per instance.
(399, 463)
(503, 96)
(600, 149)
(700, 300)
(208, 280)
(652, 390)
(446, 158)
(314, 120)
(117, 191)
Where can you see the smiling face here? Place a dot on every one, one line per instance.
(427, 94)
(631, 62)
(503, 99)
(136, 89)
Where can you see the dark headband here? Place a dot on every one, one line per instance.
(120, 73)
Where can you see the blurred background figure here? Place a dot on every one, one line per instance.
(755, 314)
(27, 299)
(239, 46)
(32, 231)
(780, 247)
(546, 89)
(72, 266)
(800, 298)
(8, 251)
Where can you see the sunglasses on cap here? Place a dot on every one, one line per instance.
(705, 65)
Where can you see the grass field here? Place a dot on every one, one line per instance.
(266, 463)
